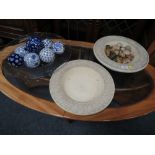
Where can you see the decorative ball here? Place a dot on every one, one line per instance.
(15, 60)
(47, 55)
(32, 60)
(58, 47)
(47, 43)
(34, 44)
(21, 50)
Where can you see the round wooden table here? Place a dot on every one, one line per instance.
(127, 111)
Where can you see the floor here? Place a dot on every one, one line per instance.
(18, 120)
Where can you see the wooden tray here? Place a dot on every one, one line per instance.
(134, 96)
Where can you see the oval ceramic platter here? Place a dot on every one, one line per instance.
(139, 62)
(82, 87)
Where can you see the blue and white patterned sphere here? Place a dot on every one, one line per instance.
(47, 55)
(34, 44)
(47, 43)
(32, 60)
(21, 50)
(15, 60)
(58, 47)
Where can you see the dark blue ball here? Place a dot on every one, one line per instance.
(34, 44)
(15, 60)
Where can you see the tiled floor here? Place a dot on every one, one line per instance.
(16, 119)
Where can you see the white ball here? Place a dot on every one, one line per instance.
(47, 43)
(32, 60)
(47, 55)
(58, 47)
(21, 51)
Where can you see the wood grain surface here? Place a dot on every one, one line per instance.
(109, 114)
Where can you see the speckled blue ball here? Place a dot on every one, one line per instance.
(47, 55)
(32, 60)
(21, 50)
(15, 60)
(34, 44)
(58, 47)
(47, 43)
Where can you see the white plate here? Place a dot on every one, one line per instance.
(82, 87)
(140, 61)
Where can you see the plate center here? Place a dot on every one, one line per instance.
(83, 84)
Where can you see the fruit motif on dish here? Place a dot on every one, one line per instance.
(119, 53)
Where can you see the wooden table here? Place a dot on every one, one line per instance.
(112, 113)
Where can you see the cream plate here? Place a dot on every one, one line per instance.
(82, 87)
(141, 57)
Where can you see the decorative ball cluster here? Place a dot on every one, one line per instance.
(35, 51)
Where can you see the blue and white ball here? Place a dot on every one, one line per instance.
(32, 60)
(21, 50)
(15, 60)
(34, 44)
(58, 47)
(47, 55)
(47, 43)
